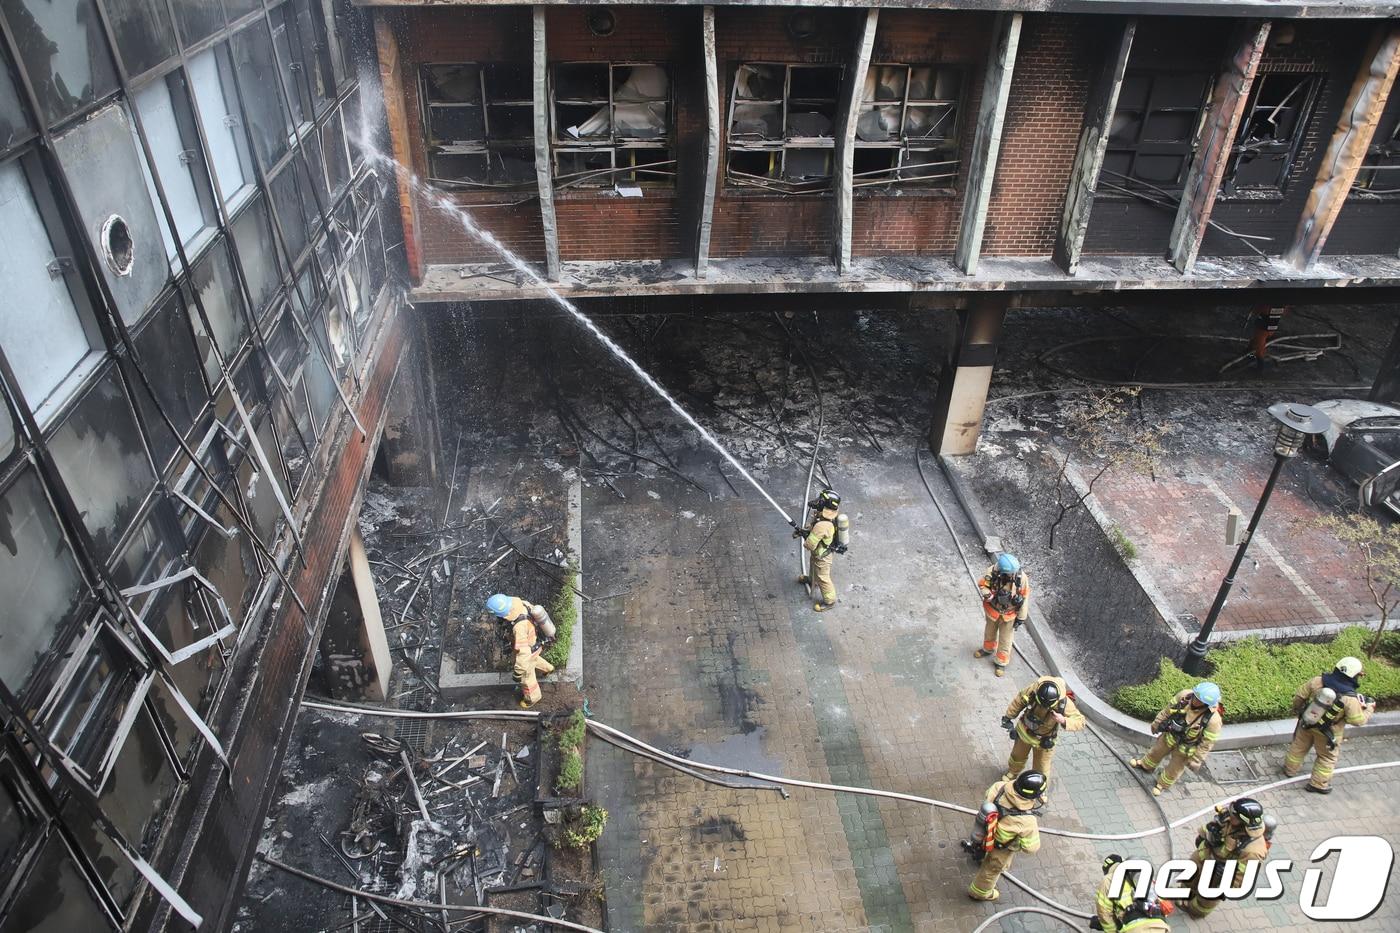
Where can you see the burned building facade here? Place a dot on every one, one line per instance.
(204, 325)
(198, 332)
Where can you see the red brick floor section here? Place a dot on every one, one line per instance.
(1294, 574)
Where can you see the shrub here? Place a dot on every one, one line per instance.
(1258, 680)
(1123, 543)
(587, 829)
(571, 736)
(570, 771)
(561, 610)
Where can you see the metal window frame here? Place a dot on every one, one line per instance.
(483, 148)
(615, 173)
(1288, 148)
(1139, 146)
(903, 146)
(778, 182)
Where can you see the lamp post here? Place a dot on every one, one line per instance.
(1296, 424)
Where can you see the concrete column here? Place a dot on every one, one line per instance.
(1223, 114)
(1093, 144)
(844, 179)
(408, 448)
(1347, 150)
(544, 171)
(710, 58)
(391, 80)
(986, 145)
(967, 374)
(354, 650)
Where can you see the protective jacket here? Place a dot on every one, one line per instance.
(1347, 710)
(1227, 838)
(821, 535)
(1191, 730)
(1037, 723)
(1017, 828)
(1108, 911)
(1005, 597)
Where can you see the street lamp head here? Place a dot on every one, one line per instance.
(1296, 422)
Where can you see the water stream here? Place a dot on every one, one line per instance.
(470, 226)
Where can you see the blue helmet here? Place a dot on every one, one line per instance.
(499, 605)
(1207, 692)
(1008, 564)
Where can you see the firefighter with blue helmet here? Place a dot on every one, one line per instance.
(528, 623)
(1187, 729)
(1006, 604)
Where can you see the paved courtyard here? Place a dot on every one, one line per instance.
(716, 653)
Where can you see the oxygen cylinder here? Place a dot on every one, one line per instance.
(543, 623)
(1318, 706)
(983, 832)
(843, 530)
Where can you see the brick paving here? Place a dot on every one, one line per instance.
(718, 655)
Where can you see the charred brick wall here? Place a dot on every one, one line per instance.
(914, 220)
(479, 35)
(1054, 66)
(597, 223)
(747, 221)
(1333, 50)
(1125, 225)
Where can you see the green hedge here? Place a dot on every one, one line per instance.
(1258, 680)
(561, 610)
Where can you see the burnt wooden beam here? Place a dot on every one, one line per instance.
(1222, 121)
(386, 43)
(844, 179)
(986, 145)
(1093, 144)
(711, 161)
(544, 175)
(1347, 149)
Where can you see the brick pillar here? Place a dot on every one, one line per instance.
(354, 650)
(967, 374)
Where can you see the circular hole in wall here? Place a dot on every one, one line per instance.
(117, 248)
(601, 22)
(803, 26)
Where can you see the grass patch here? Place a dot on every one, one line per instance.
(1258, 680)
(587, 828)
(570, 771)
(571, 736)
(565, 616)
(1123, 543)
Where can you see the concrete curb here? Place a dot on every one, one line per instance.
(1102, 713)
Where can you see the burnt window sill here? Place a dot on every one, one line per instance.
(895, 191)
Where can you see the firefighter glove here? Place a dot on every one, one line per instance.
(839, 548)
(799, 532)
(1017, 624)
(1007, 724)
(1047, 742)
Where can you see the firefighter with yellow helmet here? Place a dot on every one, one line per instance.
(1325, 706)
(1006, 824)
(1187, 729)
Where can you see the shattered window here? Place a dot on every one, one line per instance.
(143, 32)
(1380, 172)
(907, 130)
(1274, 121)
(478, 121)
(782, 126)
(255, 63)
(1153, 131)
(612, 125)
(14, 122)
(171, 364)
(64, 52)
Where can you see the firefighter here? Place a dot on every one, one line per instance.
(820, 539)
(1325, 706)
(1187, 729)
(1034, 719)
(1006, 825)
(1006, 601)
(526, 621)
(1236, 833)
(1126, 913)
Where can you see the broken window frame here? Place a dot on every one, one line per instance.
(622, 151)
(131, 683)
(903, 147)
(1285, 151)
(484, 148)
(1379, 176)
(1113, 183)
(778, 149)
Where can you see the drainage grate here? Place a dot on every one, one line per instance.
(413, 733)
(1231, 767)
